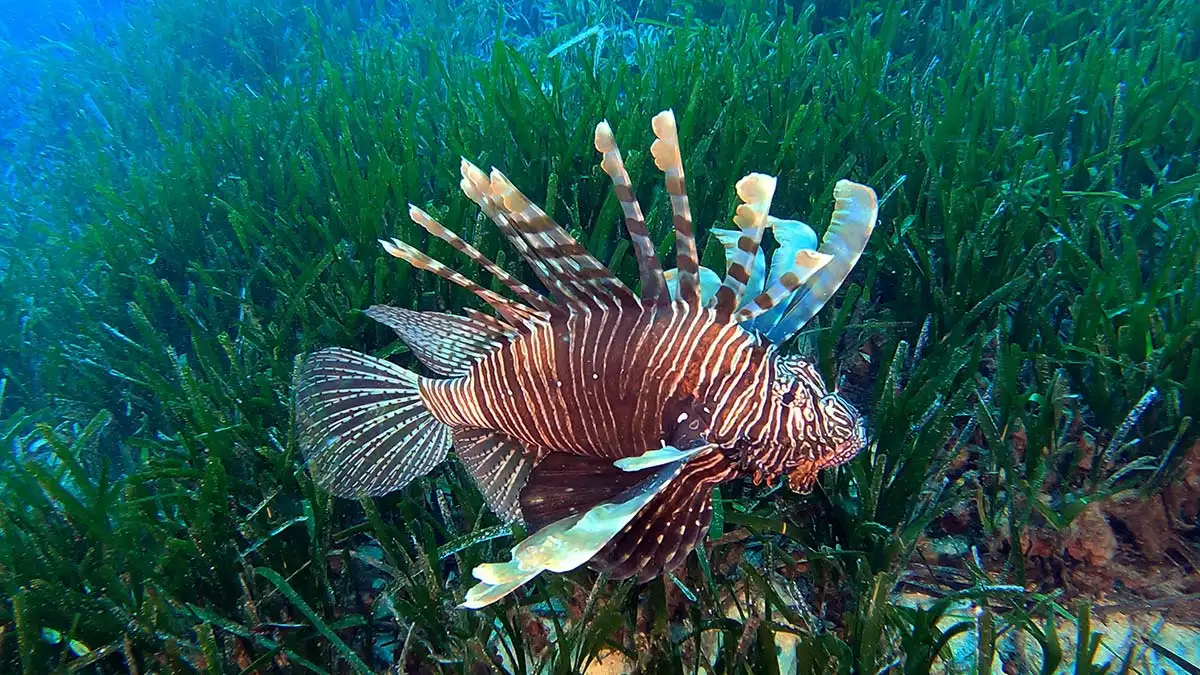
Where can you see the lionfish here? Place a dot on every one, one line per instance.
(600, 417)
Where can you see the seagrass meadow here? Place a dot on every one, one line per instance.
(193, 194)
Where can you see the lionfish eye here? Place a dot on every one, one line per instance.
(788, 397)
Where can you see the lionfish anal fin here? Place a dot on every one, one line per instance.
(500, 465)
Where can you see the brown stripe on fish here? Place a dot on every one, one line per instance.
(654, 286)
(667, 158)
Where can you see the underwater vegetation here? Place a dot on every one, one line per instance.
(192, 201)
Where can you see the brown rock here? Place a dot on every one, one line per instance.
(1039, 543)
(958, 519)
(1091, 540)
(1146, 518)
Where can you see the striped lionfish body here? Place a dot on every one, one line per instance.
(600, 417)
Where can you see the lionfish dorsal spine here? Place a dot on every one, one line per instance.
(650, 271)
(571, 263)
(756, 191)
(522, 291)
(668, 159)
(476, 185)
(513, 312)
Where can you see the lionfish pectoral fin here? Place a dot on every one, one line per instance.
(569, 542)
(802, 479)
(564, 485)
(792, 237)
(666, 530)
(654, 458)
(444, 343)
(362, 424)
(500, 466)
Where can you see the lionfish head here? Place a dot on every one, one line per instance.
(820, 429)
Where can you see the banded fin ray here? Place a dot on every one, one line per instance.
(805, 263)
(668, 159)
(729, 242)
(791, 237)
(432, 226)
(654, 285)
(500, 466)
(363, 425)
(514, 312)
(444, 343)
(589, 280)
(756, 191)
(476, 185)
(855, 213)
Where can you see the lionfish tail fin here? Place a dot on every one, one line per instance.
(756, 191)
(516, 313)
(668, 159)
(444, 343)
(854, 215)
(654, 287)
(362, 424)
